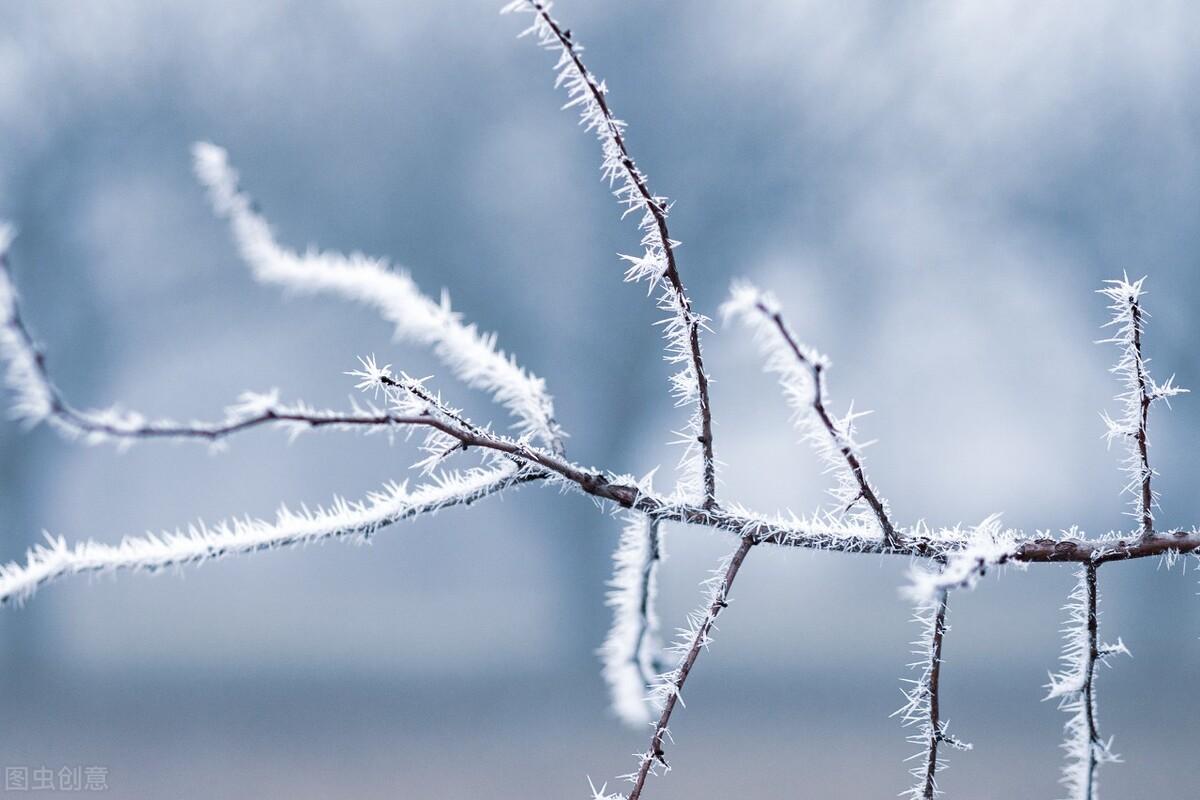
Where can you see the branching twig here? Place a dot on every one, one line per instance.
(536, 454)
(801, 374)
(658, 260)
(471, 355)
(39, 399)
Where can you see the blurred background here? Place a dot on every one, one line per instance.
(933, 190)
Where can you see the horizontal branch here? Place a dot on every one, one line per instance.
(342, 519)
(535, 464)
(38, 398)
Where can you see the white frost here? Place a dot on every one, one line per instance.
(199, 543)
(469, 353)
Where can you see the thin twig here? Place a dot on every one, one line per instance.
(1075, 687)
(817, 370)
(1089, 684)
(1144, 401)
(266, 411)
(657, 208)
(935, 672)
(655, 754)
(935, 733)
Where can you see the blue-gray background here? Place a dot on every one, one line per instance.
(934, 190)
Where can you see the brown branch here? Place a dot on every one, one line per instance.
(658, 210)
(817, 371)
(656, 754)
(809, 536)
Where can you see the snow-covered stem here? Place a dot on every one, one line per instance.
(693, 639)
(470, 354)
(657, 262)
(199, 543)
(922, 706)
(630, 654)
(1075, 687)
(801, 374)
(1139, 393)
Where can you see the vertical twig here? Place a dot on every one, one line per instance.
(1144, 400)
(1089, 684)
(924, 699)
(935, 674)
(1075, 686)
(635, 193)
(1140, 392)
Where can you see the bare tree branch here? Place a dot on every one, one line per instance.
(536, 453)
(672, 684)
(759, 309)
(39, 399)
(470, 354)
(683, 330)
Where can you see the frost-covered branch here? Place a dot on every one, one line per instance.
(470, 354)
(631, 652)
(862, 522)
(693, 639)
(37, 399)
(199, 543)
(1075, 687)
(1140, 392)
(657, 263)
(922, 706)
(801, 374)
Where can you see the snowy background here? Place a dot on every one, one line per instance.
(933, 190)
